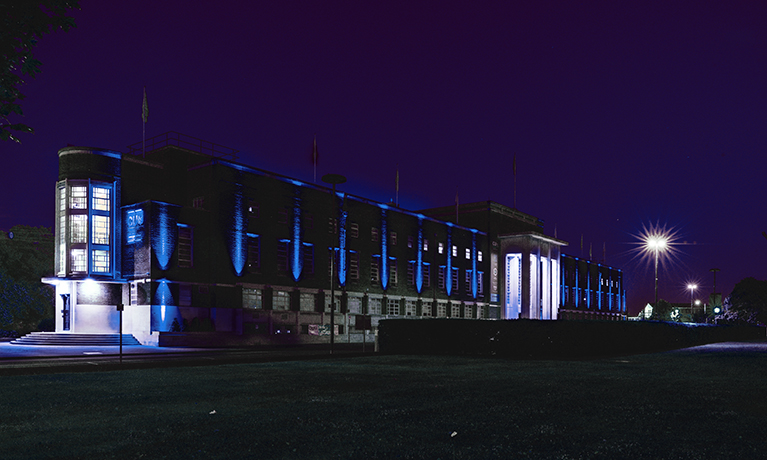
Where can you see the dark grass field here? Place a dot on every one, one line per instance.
(656, 406)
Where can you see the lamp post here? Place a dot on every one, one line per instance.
(656, 243)
(333, 179)
(692, 288)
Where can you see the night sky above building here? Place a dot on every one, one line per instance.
(621, 117)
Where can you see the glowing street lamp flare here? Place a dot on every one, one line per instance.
(692, 288)
(656, 241)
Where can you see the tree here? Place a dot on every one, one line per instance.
(24, 259)
(662, 311)
(747, 303)
(22, 24)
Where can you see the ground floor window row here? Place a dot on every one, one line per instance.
(358, 303)
(591, 299)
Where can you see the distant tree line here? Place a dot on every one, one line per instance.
(26, 256)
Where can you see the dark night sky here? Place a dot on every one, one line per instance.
(621, 114)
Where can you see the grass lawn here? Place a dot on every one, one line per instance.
(659, 406)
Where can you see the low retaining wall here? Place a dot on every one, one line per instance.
(549, 339)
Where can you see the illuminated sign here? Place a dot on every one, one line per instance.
(134, 219)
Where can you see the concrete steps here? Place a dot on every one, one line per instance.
(75, 340)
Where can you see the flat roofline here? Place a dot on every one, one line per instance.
(536, 236)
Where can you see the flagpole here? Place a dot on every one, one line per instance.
(396, 187)
(514, 166)
(144, 117)
(314, 157)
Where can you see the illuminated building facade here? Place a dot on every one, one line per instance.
(191, 242)
(591, 290)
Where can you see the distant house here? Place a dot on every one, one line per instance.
(201, 249)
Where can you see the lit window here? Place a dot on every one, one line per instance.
(425, 245)
(100, 261)
(479, 256)
(78, 199)
(393, 271)
(78, 228)
(440, 248)
(100, 230)
(410, 241)
(374, 269)
(468, 253)
(252, 298)
(354, 265)
(374, 234)
(101, 200)
(455, 251)
(392, 307)
(410, 307)
(393, 238)
(354, 230)
(332, 225)
(78, 263)
(307, 301)
(455, 310)
(254, 252)
(281, 300)
(253, 209)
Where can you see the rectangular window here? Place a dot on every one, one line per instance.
(455, 310)
(78, 198)
(62, 199)
(254, 252)
(441, 309)
(100, 230)
(308, 221)
(409, 241)
(425, 245)
(253, 210)
(62, 244)
(480, 283)
(410, 308)
(455, 280)
(374, 306)
(185, 246)
(354, 265)
(252, 298)
(100, 262)
(374, 234)
(308, 256)
(468, 281)
(479, 256)
(455, 251)
(332, 225)
(78, 228)
(374, 269)
(281, 300)
(307, 301)
(282, 257)
(134, 294)
(426, 309)
(468, 253)
(282, 216)
(392, 271)
(426, 273)
(184, 295)
(393, 238)
(441, 279)
(355, 305)
(78, 262)
(411, 273)
(440, 248)
(101, 201)
(354, 230)
(198, 202)
(392, 307)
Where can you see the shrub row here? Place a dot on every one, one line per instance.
(550, 339)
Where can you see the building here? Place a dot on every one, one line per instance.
(591, 290)
(188, 242)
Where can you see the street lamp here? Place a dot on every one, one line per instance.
(692, 288)
(333, 179)
(657, 243)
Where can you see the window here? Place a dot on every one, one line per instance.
(282, 258)
(281, 300)
(79, 263)
(307, 301)
(355, 305)
(480, 312)
(425, 244)
(185, 246)
(134, 293)
(354, 265)
(354, 230)
(374, 306)
(282, 216)
(410, 308)
(78, 228)
(455, 310)
(100, 261)
(426, 273)
(78, 198)
(480, 290)
(393, 238)
(332, 225)
(468, 281)
(198, 202)
(455, 251)
(252, 298)
(184, 295)
(253, 210)
(308, 221)
(441, 275)
(375, 269)
(455, 280)
(374, 234)
(441, 309)
(308, 256)
(479, 256)
(426, 309)
(101, 201)
(468, 253)
(410, 241)
(254, 252)
(392, 306)
(100, 230)
(411, 273)
(440, 248)
(392, 271)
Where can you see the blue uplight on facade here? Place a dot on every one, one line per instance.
(474, 264)
(419, 257)
(295, 246)
(342, 247)
(238, 238)
(164, 233)
(162, 295)
(384, 250)
(449, 270)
